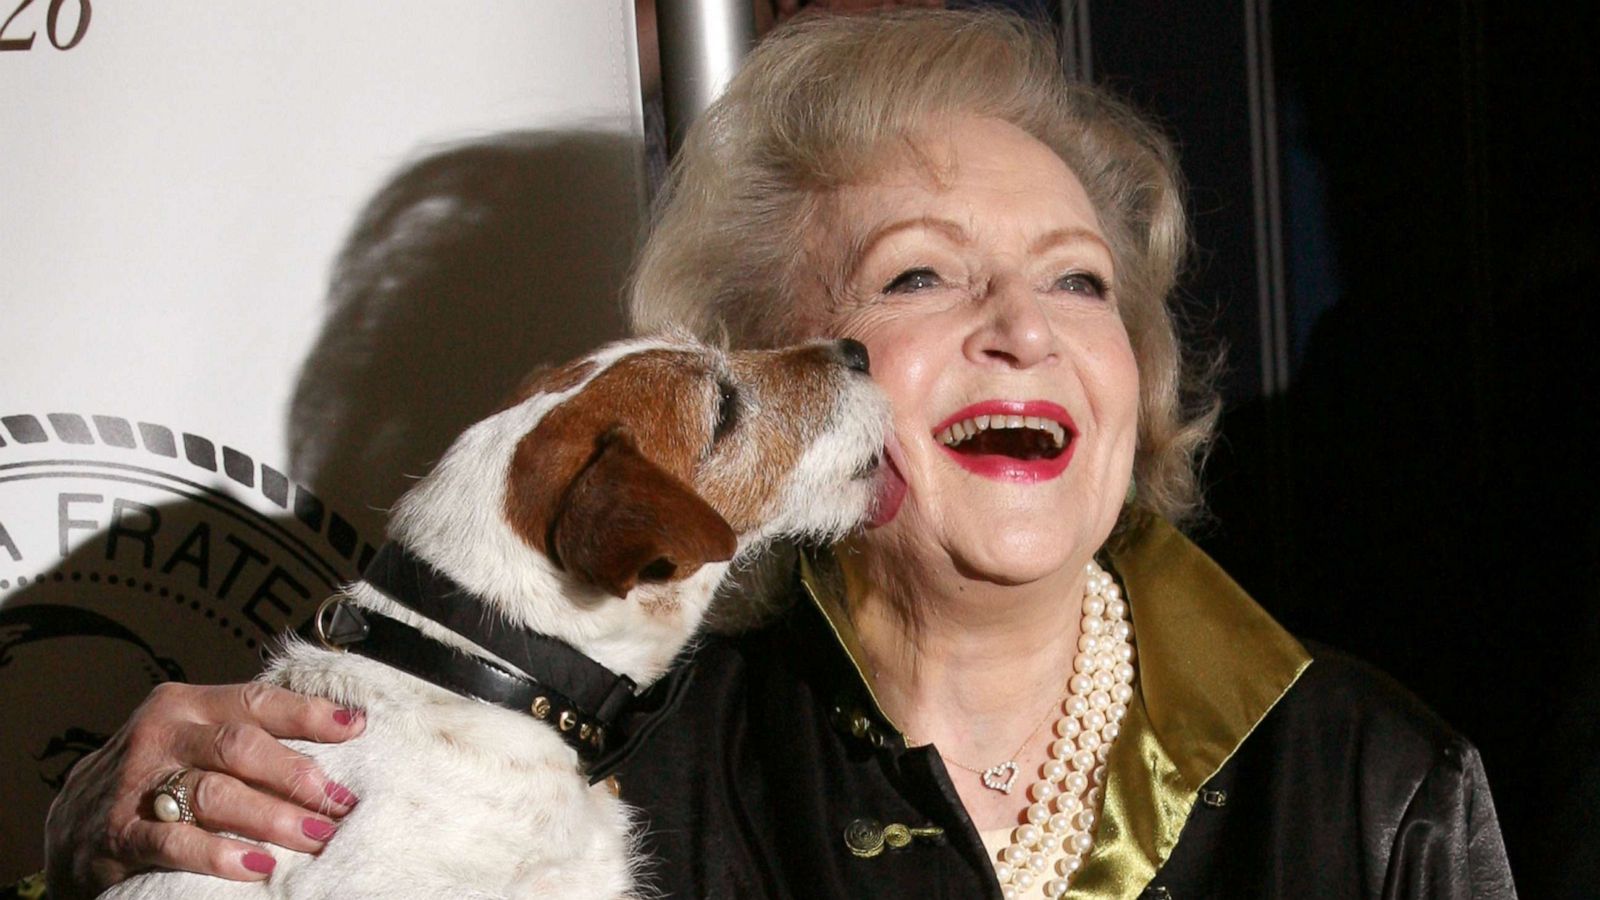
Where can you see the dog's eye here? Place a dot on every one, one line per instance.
(727, 410)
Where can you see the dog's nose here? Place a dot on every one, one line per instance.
(855, 355)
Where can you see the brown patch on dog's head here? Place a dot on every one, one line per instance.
(657, 465)
(548, 380)
(580, 485)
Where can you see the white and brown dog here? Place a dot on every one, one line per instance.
(601, 511)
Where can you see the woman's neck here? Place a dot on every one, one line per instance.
(961, 662)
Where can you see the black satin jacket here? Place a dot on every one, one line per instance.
(1245, 768)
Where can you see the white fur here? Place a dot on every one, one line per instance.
(464, 799)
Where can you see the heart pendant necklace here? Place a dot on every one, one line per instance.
(1003, 775)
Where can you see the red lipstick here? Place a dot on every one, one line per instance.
(1010, 468)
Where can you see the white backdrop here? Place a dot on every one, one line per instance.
(258, 261)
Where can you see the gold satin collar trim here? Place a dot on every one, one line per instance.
(1211, 664)
(831, 605)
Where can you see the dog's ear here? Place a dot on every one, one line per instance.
(625, 520)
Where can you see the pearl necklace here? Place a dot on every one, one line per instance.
(1066, 800)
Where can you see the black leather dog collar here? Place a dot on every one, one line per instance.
(341, 625)
(416, 585)
(581, 698)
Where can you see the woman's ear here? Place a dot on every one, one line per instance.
(625, 520)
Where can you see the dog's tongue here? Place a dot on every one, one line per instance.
(891, 492)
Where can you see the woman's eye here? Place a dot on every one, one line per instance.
(727, 410)
(912, 280)
(1082, 283)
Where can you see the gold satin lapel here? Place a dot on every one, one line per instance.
(1145, 805)
(832, 608)
(1211, 664)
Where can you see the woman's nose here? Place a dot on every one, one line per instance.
(1014, 329)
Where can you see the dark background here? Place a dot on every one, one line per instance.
(1396, 241)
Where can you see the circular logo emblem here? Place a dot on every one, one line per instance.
(133, 553)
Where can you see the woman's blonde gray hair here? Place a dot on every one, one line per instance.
(823, 101)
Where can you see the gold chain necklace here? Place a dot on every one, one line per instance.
(1002, 776)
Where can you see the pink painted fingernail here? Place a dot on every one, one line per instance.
(260, 862)
(338, 793)
(316, 829)
(346, 716)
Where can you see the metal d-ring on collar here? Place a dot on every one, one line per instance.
(581, 698)
(344, 628)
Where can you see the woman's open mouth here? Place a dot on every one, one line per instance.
(1009, 440)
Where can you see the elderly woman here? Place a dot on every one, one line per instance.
(1021, 679)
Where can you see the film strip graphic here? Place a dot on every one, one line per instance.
(328, 527)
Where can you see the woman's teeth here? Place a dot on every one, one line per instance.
(967, 428)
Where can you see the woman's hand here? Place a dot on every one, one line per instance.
(101, 828)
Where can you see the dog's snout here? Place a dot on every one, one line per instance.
(854, 354)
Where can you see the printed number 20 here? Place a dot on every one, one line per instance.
(85, 10)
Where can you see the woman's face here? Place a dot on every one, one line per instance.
(978, 279)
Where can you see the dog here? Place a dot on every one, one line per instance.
(596, 515)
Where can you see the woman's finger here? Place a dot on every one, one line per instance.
(191, 849)
(223, 803)
(281, 713)
(250, 754)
